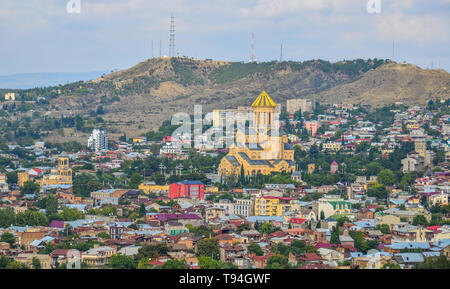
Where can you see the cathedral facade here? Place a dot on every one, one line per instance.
(264, 148)
(60, 176)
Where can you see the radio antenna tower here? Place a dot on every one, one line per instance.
(281, 53)
(252, 53)
(160, 48)
(393, 50)
(152, 49)
(172, 37)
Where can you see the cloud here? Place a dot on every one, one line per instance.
(272, 8)
(412, 28)
(118, 33)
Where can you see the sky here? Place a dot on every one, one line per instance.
(42, 36)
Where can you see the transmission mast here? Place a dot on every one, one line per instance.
(252, 52)
(281, 53)
(172, 37)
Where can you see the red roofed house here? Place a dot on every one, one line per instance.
(296, 222)
(261, 261)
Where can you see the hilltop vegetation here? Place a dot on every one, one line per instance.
(135, 100)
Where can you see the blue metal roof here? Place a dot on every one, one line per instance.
(191, 182)
(411, 257)
(409, 245)
(254, 219)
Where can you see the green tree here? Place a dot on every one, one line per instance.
(373, 168)
(301, 247)
(243, 227)
(122, 262)
(205, 262)
(380, 192)
(85, 184)
(442, 262)
(254, 248)
(420, 220)
(267, 228)
(142, 210)
(201, 231)
(151, 251)
(4, 261)
(281, 249)
(8, 238)
(209, 248)
(36, 263)
(16, 265)
(384, 228)
(391, 266)
(386, 177)
(362, 147)
(71, 214)
(51, 205)
(176, 264)
(110, 210)
(103, 235)
(135, 180)
(334, 238)
(277, 262)
(29, 187)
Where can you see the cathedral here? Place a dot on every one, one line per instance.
(264, 148)
(60, 176)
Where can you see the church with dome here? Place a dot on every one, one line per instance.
(264, 148)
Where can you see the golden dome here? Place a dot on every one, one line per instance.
(264, 100)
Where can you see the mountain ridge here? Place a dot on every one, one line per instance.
(138, 99)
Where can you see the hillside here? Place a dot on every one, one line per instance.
(393, 83)
(140, 98)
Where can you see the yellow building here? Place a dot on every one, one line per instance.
(60, 176)
(275, 206)
(150, 187)
(420, 146)
(311, 168)
(10, 96)
(412, 125)
(22, 178)
(139, 139)
(262, 150)
(331, 146)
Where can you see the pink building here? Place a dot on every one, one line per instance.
(312, 127)
(334, 167)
